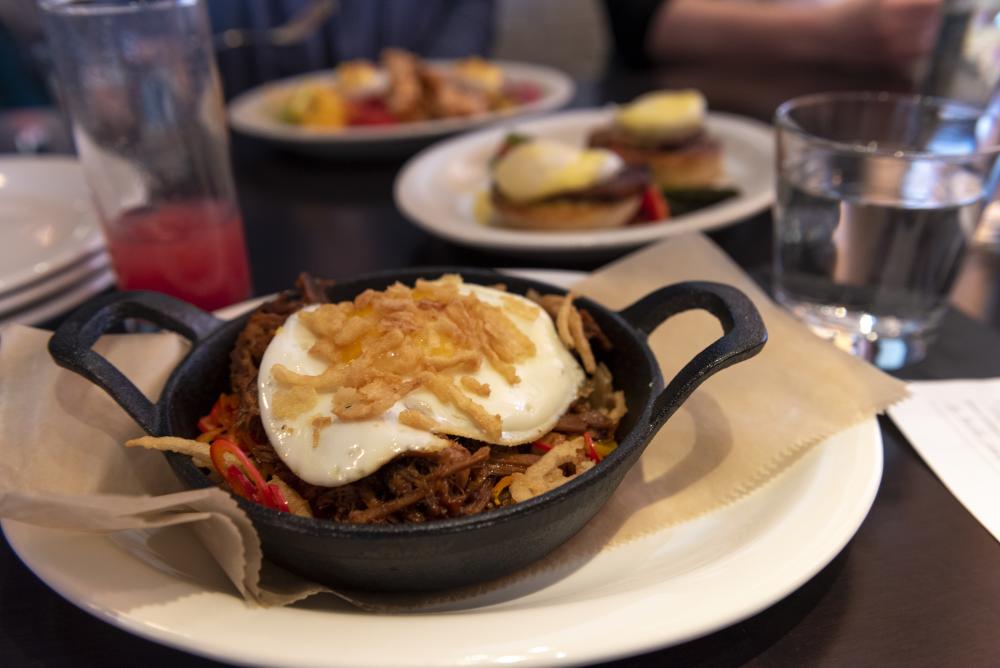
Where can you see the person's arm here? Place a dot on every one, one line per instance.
(886, 33)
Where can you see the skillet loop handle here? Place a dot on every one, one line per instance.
(71, 344)
(744, 334)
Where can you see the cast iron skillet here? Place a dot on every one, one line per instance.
(443, 553)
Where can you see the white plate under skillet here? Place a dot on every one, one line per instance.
(47, 221)
(674, 585)
(437, 188)
(255, 113)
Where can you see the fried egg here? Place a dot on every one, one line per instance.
(664, 115)
(541, 168)
(343, 451)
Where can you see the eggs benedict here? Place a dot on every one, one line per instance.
(548, 185)
(665, 131)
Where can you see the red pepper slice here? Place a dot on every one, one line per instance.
(248, 482)
(544, 447)
(654, 205)
(591, 450)
(370, 112)
(220, 446)
(213, 420)
(277, 498)
(240, 483)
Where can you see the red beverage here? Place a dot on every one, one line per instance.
(191, 250)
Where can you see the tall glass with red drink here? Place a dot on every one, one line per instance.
(140, 85)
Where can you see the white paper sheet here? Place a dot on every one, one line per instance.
(955, 426)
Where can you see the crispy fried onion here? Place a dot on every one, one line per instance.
(196, 450)
(384, 345)
(556, 467)
(569, 324)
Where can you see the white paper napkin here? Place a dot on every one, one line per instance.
(955, 426)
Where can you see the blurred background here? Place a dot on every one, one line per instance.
(746, 55)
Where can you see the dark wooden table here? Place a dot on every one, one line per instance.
(918, 585)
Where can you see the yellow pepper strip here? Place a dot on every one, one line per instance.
(501, 485)
(209, 436)
(605, 448)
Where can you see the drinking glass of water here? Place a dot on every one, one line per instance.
(139, 82)
(878, 195)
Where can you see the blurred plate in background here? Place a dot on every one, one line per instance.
(255, 113)
(52, 255)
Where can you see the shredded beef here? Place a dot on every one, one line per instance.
(577, 423)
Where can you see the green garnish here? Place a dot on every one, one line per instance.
(510, 141)
(686, 200)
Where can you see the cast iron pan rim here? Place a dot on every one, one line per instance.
(637, 438)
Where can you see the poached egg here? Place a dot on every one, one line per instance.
(541, 168)
(663, 115)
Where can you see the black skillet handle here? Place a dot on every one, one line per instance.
(744, 334)
(71, 344)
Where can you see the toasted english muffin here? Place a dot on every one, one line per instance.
(694, 163)
(565, 213)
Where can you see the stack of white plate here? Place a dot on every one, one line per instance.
(52, 254)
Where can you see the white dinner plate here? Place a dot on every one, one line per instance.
(47, 221)
(66, 301)
(674, 585)
(255, 113)
(55, 284)
(438, 187)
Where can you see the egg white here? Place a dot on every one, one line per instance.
(349, 450)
